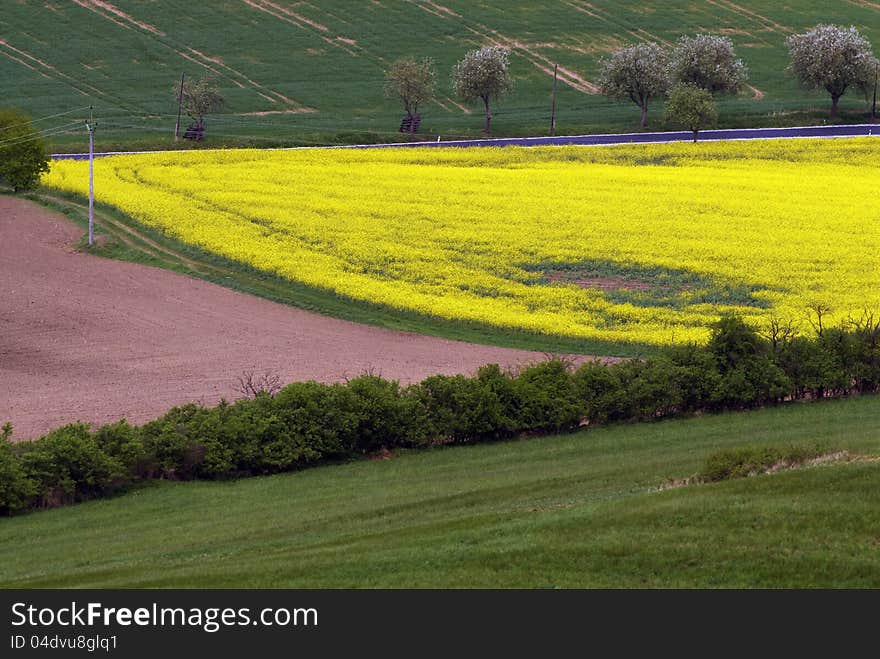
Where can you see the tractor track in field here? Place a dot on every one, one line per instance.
(131, 237)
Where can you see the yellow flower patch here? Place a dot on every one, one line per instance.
(643, 243)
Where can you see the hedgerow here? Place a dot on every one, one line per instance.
(307, 423)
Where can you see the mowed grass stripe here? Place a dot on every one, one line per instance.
(570, 511)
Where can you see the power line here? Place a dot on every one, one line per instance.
(39, 137)
(51, 116)
(45, 130)
(22, 139)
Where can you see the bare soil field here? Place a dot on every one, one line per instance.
(83, 338)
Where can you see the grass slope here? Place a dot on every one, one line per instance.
(573, 511)
(317, 68)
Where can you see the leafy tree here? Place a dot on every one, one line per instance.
(200, 98)
(708, 61)
(413, 82)
(692, 107)
(637, 73)
(483, 74)
(832, 58)
(23, 154)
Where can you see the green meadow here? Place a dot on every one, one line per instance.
(581, 510)
(312, 72)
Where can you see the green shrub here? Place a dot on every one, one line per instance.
(749, 376)
(498, 387)
(210, 444)
(810, 368)
(695, 376)
(546, 398)
(17, 491)
(651, 389)
(866, 373)
(169, 450)
(462, 409)
(754, 382)
(628, 373)
(839, 347)
(322, 416)
(383, 416)
(865, 350)
(24, 156)
(750, 460)
(600, 392)
(732, 341)
(68, 465)
(262, 441)
(122, 442)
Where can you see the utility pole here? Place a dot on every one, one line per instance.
(90, 126)
(874, 104)
(553, 103)
(179, 103)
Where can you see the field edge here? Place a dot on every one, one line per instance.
(126, 239)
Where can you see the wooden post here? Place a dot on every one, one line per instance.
(179, 103)
(553, 103)
(874, 104)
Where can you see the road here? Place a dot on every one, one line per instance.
(858, 130)
(854, 130)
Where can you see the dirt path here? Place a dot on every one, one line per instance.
(91, 339)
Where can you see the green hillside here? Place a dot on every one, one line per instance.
(580, 510)
(311, 72)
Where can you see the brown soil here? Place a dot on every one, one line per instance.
(757, 93)
(92, 339)
(600, 283)
(98, 5)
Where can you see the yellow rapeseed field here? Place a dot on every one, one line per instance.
(647, 243)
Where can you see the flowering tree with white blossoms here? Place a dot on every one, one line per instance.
(483, 74)
(638, 73)
(709, 62)
(832, 58)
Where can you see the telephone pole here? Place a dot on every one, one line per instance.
(553, 103)
(874, 104)
(90, 126)
(179, 103)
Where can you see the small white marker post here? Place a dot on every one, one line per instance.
(90, 126)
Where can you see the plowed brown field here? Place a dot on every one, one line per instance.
(93, 339)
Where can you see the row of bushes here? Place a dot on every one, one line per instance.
(308, 422)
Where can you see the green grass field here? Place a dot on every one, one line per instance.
(317, 68)
(581, 510)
